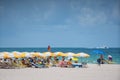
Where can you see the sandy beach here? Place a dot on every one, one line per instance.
(93, 72)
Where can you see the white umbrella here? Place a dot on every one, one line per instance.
(70, 54)
(59, 54)
(16, 54)
(1, 55)
(26, 54)
(36, 54)
(82, 54)
(48, 54)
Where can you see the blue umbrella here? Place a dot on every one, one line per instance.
(98, 52)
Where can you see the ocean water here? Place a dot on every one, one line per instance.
(115, 52)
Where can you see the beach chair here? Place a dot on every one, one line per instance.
(76, 65)
(38, 65)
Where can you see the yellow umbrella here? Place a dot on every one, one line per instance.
(28, 54)
(22, 55)
(59, 54)
(36, 54)
(16, 54)
(6, 55)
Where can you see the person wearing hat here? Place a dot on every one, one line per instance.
(109, 58)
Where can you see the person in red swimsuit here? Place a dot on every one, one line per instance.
(49, 48)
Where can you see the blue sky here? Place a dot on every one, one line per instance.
(59, 23)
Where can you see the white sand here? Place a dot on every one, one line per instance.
(93, 72)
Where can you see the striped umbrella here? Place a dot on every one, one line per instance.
(59, 54)
(70, 54)
(36, 54)
(48, 54)
(6, 55)
(16, 54)
(82, 54)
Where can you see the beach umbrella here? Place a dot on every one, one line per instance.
(59, 54)
(41, 55)
(36, 54)
(25, 54)
(82, 54)
(16, 54)
(70, 54)
(28, 54)
(98, 52)
(11, 55)
(63, 54)
(22, 55)
(6, 55)
(48, 54)
(1, 55)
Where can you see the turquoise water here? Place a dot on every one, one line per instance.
(115, 52)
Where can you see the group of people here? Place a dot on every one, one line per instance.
(101, 59)
(37, 62)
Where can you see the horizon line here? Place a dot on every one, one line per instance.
(63, 47)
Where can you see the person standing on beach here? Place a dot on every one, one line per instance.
(100, 60)
(109, 58)
(49, 48)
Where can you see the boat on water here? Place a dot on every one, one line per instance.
(103, 47)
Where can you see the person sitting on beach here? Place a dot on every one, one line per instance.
(63, 63)
(27, 62)
(23, 63)
(69, 63)
(55, 61)
(6, 61)
(1, 60)
(43, 62)
(48, 62)
(15, 63)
